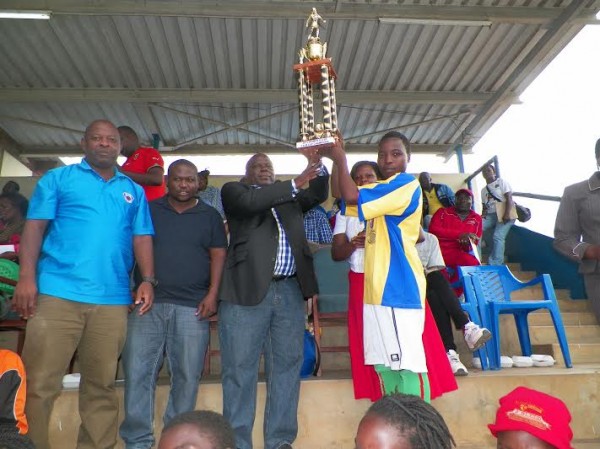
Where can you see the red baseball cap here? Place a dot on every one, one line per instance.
(543, 416)
(467, 191)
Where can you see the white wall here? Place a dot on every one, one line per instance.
(12, 167)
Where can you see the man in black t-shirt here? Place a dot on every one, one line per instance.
(189, 253)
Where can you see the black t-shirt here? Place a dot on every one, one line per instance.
(181, 251)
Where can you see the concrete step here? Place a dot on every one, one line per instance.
(575, 334)
(543, 318)
(581, 353)
(535, 292)
(328, 414)
(573, 305)
(581, 329)
(562, 293)
(330, 336)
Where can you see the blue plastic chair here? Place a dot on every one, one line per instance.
(470, 306)
(493, 286)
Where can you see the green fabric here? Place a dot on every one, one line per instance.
(10, 270)
(404, 381)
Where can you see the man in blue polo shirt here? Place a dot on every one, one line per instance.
(189, 249)
(85, 224)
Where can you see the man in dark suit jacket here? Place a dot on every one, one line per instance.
(268, 275)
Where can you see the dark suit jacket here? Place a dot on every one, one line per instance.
(254, 237)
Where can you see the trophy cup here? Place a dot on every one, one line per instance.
(315, 72)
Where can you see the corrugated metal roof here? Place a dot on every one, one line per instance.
(207, 75)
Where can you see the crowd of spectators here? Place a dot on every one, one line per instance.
(242, 251)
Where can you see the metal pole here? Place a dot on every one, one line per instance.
(458, 149)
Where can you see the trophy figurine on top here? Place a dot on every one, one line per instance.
(318, 127)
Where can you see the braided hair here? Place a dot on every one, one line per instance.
(211, 424)
(415, 420)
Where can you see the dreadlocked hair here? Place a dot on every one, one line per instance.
(413, 418)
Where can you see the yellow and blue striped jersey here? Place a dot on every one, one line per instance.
(393, 272)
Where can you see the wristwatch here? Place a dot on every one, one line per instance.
(151, 280)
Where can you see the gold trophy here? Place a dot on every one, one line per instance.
(315, 72)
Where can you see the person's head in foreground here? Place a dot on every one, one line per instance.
(402, 421)
(530, 419)
(198, 429)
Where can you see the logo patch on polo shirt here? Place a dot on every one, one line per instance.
(128, 197)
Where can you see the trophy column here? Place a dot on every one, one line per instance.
(315, 72)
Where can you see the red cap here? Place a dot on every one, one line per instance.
(537, 413)
(467, 191)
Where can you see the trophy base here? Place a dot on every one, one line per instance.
(315, 144)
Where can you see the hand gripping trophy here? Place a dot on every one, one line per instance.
(318, 127)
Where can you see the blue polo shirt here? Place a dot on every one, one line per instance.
(87, 251)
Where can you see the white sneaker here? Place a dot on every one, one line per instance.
(476, 336)
(458, 369)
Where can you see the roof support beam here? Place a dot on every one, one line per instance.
(272, 96)
(203, 150)
(293, 9)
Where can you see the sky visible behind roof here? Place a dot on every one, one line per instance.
(547, 142)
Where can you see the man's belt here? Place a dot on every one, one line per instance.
(282, 277)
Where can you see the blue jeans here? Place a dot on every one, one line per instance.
(275, 326)
(174, 331)
(494, 235)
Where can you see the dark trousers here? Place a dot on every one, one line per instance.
(444, 305)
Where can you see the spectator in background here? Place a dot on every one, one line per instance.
(144, 165)
(435, 196)
(498, 214)
(458, 229)
(76, 255)
(317, 227)
(211, 195)
(11, 187)
(577, 231)
(189, 252)
(530, 419)
(401, 421)
(198, 429)
(332, 213)
(13, 211)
